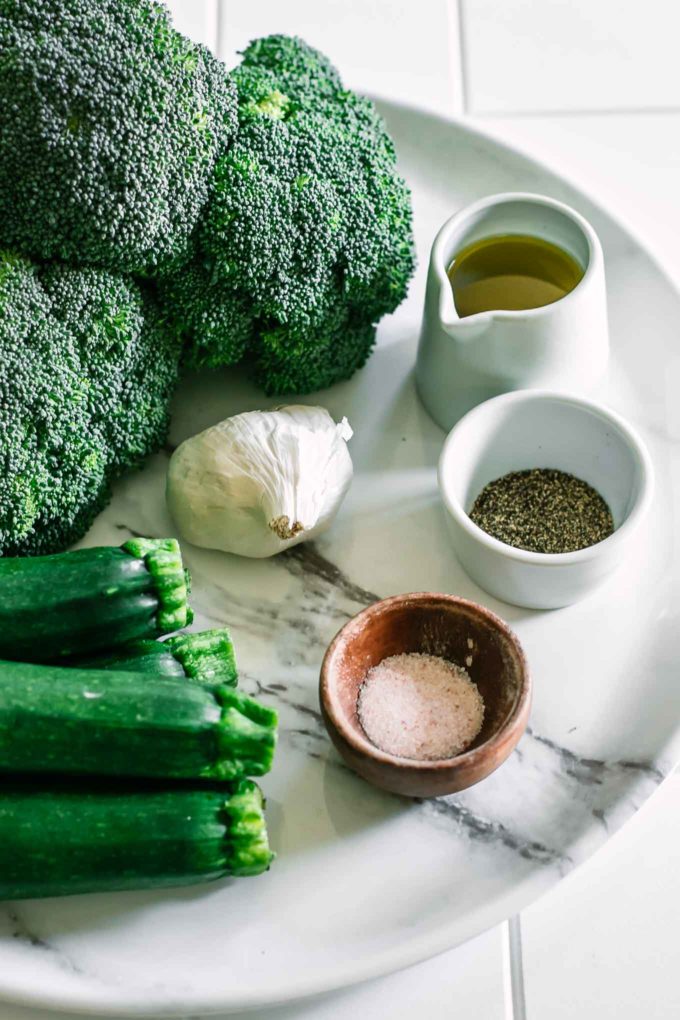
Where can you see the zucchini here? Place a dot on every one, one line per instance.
(206, 656)
(57, 839)
(92, 599)
(101, 722)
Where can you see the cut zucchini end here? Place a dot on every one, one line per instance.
(141, 547)
(248, 852)
(163, 559)
(206, 656)
(247, 735)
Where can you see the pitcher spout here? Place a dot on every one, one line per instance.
(460, 329)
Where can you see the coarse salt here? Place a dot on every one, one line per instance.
(420, 706)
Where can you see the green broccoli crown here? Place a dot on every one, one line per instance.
(307, 201)
(303, 359)
(110, 125)
(298, 66)
(86, 375)
(217, 318)
(308, 232)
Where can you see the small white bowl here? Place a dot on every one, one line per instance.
(542, 429)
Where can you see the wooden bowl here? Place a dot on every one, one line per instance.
(456, 629)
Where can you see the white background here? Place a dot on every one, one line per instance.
(592, 87)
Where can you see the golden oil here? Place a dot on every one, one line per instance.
(511, 272)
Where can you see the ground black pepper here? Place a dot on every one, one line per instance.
(543, 510)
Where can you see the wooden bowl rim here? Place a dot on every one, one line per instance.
(511, 729)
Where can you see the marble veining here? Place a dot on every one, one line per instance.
(14, 924)
(593, 770)
(327, 594)
(306, 561)
(582, 787)
(364, 881)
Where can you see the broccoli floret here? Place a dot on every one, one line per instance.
(291, 360)
(56, 535)
(217, 318)
(87, 369)
(306, 241)
(299, 67)
(110, 125)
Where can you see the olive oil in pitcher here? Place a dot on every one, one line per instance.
(511, 272)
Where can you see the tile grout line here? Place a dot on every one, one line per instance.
(219, 26)
(462, 56)
(513, 970)
(623, 111)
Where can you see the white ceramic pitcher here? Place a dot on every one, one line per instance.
(562, 346)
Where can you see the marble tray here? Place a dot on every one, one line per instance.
(366, 883)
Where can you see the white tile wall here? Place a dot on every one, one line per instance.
(396, 48)
(476, 56)
(197, 19)
(605, 945)
(564, 55)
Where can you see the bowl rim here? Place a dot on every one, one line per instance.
(595, 254)
(519, 713)
(634, 442)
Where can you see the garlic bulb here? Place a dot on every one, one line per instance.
(262, 481)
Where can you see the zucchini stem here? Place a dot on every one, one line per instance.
(163, 559)
(207, 656)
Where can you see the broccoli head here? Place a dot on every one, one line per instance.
(300, 359)
(217, 318)
(306, 241)
(86, 375)
(110, 125)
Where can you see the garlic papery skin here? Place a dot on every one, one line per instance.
(262, 481)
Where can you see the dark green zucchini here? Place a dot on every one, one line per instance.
(206, 656)
(77, 603)
(57, 839)
(101, 722)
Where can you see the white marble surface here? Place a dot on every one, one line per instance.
(631, 163)
(622, 966)
(468, 982)
(598, 744)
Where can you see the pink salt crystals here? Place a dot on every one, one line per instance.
(420, 706)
